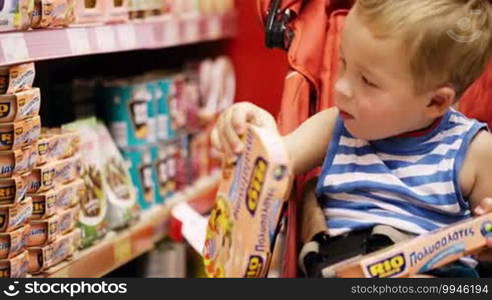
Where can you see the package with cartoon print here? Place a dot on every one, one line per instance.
(42, 258)
(13, 243)
(129, 111)
(16, 15)
(16, 267)
(244, 224)
(93, 201)
(143, 175)
(52, 13)
(13, 190)
(20, 106)
(117, 182)
(70, 194)
(17, 162)
(15, 215)
(420, 254)
(17, 78)
(43, 231)
(44, 205)
(16, 135)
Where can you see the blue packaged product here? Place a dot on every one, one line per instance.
(128, 109)
(143, 175)
(165, 129)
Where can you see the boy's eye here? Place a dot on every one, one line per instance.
(366, 81)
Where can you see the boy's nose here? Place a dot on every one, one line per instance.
(342, 86)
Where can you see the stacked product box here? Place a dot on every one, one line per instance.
(56, 191)
(20, 127)
(111, 196)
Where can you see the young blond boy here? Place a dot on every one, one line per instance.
(393, 150)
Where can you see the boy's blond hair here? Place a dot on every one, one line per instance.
(447, 41)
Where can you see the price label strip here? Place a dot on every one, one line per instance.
(14, 48)
(106, 39)
(126, 36)
(243, 226)
(123, 251)
(171, 32)
(79, 41)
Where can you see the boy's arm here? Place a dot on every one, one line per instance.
(307, 145)
(476, 178)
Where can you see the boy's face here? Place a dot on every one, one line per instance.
(375, 90)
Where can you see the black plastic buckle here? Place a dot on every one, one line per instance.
(277, 33)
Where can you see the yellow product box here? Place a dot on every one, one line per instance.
(15, 215)
(18, 162)
(13, 190)
(43, 231)
(42, 258)
(19, 134)
(16, 267)
(16, 78)
(19, 106)
(13, 243)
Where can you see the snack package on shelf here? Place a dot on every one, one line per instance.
(52, 13)
(16, 135)
(16, 15)
(43, 231)
(20, 106)
(44, 205)
(13, 189)
(116, 11)
(16, 78)
(89, 12)
(50, 175)
(129, 111)
(56, 144)
(70, 194)
(13, 216)
(13, 243)
(118, 185)
(42, 258)
(18, 162)
(16, 267)
(143, 175)
(92, 216)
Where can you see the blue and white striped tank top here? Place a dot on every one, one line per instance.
(410, 183)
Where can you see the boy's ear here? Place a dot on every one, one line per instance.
(440, 101)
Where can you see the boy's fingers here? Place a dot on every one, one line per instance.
(214, 138)
(232, 137)
(484, 207)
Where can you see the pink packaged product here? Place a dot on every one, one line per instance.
(89, 11)
(116, 11)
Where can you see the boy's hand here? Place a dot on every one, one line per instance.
(484, 207)
(232, 123)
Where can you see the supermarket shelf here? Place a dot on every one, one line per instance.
(118, 248)
(34, 45)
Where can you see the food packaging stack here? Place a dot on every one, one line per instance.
(20, 127)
